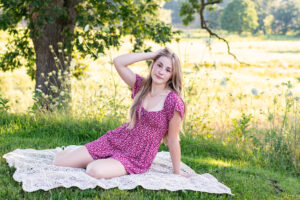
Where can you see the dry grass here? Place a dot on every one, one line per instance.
(215, 96)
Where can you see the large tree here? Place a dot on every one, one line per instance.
(265, 18)
(285, 13)
(296, 20)
(239, 16)
(56, 28)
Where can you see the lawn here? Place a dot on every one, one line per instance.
(234, 168)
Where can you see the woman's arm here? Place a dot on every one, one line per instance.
(121, 62)
(175, 152)
(173, 143)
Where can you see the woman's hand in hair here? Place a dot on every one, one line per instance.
(156, 53)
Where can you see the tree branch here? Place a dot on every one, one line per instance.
(211, 33)
(211, 3)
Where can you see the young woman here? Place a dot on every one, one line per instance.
(156, 114)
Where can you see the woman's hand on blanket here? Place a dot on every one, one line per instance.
(185, 175)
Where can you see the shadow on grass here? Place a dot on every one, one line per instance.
(64, 127)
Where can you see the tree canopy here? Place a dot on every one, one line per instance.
(87, 27)
(239, 16)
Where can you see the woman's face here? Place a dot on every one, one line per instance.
(162, 70)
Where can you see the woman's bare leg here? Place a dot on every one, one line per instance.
(64, 152)
(78, 158)
(106, 168)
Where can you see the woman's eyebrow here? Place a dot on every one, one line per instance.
(163, 64)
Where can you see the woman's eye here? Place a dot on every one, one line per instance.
(159, 65)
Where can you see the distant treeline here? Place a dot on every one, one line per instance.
(255, 16)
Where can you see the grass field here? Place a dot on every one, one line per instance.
(235, 168)
(242, 124)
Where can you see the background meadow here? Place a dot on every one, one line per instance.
(241, 118)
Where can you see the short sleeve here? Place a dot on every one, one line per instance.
(137, 85)
(175, 103)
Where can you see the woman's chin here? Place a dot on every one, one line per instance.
(159, 82)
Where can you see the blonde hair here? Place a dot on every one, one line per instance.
(175, 83)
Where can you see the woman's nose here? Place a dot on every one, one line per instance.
(161, 71)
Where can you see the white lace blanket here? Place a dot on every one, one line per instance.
(35, 170)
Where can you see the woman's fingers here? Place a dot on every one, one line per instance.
(157, 52)
(186, 175)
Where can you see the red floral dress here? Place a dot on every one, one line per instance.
(137, 148)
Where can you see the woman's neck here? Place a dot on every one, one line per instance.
(157, 89)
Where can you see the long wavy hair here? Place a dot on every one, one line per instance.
(175, 83)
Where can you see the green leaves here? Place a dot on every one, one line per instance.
(3, 104)
(187, 11)
(113, 19)
(240, 126)
(239, 16)
(190, 7)
(19, 53)
(103, 24)
(85, 27)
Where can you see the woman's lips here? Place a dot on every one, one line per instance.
(159, 77)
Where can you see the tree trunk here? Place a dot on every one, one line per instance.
(53, 67)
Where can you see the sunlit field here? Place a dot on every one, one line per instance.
(255, 106)
(216, 88)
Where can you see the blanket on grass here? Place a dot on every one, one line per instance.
(35, 170)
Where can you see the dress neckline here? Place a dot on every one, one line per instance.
(157, 110)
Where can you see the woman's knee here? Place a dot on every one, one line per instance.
(105, 168)
(95, 171)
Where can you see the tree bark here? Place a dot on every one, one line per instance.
(53, 34)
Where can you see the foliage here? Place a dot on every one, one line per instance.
(267, 11)
(295, 26)
(173, 6)
(240, 130)
(100, 24)
(182, 8)
(85, 27)
(19, 53)
(3, 104)
(59, 97)
(239, 16)
(280, 144)
(187, 11)
(285, 15)
(213, 17)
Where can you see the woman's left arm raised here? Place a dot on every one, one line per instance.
(173, 143)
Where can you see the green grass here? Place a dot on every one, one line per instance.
(235, 168)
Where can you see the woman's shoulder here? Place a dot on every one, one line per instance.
(175, 102)
(175, 96)
(174, 99)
